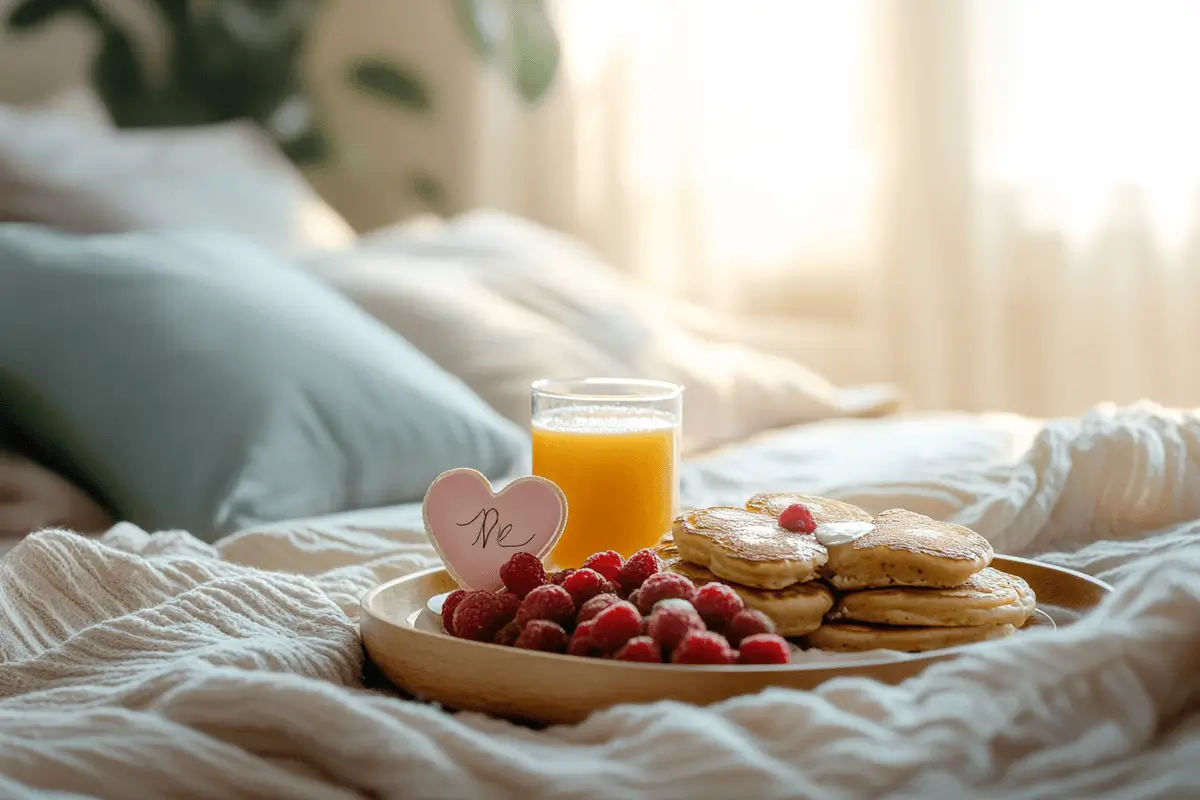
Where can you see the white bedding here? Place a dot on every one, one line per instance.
(141, 666)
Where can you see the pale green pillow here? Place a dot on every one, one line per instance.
(192, 380)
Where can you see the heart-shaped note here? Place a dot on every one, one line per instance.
(475, 530)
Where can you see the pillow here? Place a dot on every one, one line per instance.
(591, 320)
(496, 347)
(192, 381)
(84, 178)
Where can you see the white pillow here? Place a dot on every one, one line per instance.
(495, 346)
(66, 173)
(523, 302)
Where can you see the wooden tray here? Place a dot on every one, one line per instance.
(406, 641)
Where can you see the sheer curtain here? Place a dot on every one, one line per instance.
(998, 197)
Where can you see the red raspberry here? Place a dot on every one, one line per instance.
(523, 573)
(582, 643)
(664, 586)
(607, 563)
(764, 648)
(640, 648)
(641, 565)
(479, 616)
(717, 604)
(547, 602)
(560, 576)
(448, 605)
(507, 636)
(748, 622)
(703, 647)
(509, 604)
(616, 625)
(670, 621)
(541, 634)
(592, 607)
(798, 519)
(585, 584)
(635, 597)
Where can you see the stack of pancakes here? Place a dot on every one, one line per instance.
(903, 581)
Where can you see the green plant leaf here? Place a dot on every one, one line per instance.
(535, 50)
(428, 190)
(117, 76)
(472, 19)
(518, 37)
(33, 13)
(390, 83)
(311, 148)
(175, 12)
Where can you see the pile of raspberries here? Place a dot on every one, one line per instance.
(628, 610)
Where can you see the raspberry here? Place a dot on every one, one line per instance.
(670, 621)
(479, 616)
(543, 635)
(523, 573)
(640, 648)
(616, 625)
(664, 586)
(764, 648)
(509, 603)
(585, 584)
(560, 576)
(592, 607)
(635, 597)
(703, 647)
(607, 563)
(717, 603)
(748, 622)
(582, 643)
(798, 519)
(547, 602)
(638, 567)
(507, 636)
(448, 605)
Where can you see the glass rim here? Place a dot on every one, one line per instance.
(576, 389)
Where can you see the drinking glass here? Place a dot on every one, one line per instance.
(612, 446)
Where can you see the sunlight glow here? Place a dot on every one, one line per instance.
(750, 112)
(1076, 99)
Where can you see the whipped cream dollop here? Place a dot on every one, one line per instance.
(831, 534)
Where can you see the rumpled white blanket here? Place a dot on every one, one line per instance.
(138, 666)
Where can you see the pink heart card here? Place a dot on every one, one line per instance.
(476, 530)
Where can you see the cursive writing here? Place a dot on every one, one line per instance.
(488, 520)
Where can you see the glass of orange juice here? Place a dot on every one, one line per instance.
(612, 446)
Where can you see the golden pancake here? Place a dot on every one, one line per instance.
(747, 548)
(989, 597)
(902, 548)
(796, 610)
(854, 637)
(822, 509)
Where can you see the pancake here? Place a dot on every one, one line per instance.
(796, 610)
(989, 597)
(822, 508)
(854, 637)
(747, 548)
(902, 548)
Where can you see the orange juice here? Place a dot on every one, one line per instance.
(618, 469)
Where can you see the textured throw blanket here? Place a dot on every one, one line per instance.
(158, 666)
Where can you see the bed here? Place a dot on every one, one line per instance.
(224, 661)
(139, 665)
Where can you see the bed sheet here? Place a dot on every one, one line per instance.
(143, 665)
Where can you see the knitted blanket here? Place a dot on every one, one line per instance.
(159, 666)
